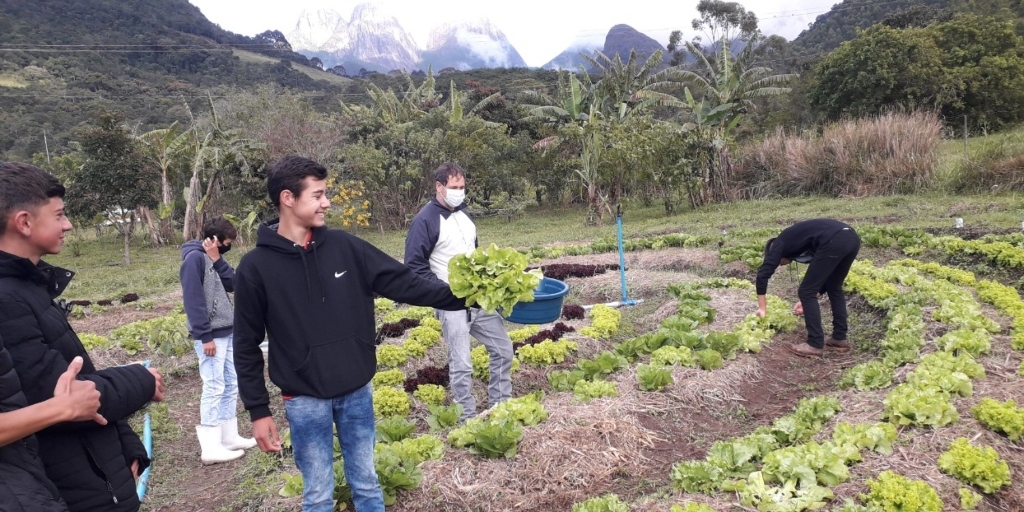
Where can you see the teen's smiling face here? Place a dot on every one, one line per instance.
(48, 225)
(311, 206)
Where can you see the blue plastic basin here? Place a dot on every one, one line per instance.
(546, 306)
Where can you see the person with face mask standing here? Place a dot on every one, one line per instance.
(206, 279)
(441, 230)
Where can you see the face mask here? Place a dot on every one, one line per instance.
(223, 248)
(454, 197)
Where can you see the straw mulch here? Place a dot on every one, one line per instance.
(577, 453)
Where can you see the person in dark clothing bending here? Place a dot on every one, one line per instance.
(94, 466)
(830, 247)
(310, 290)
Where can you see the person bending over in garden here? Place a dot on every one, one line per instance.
(829, 246)
(206, 279)
(310, 290)
(93, 465)
(440, 231)
(23, 482)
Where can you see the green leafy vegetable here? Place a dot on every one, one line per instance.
(976, 466)
(493, 277)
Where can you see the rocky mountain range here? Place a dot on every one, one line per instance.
(371, 40)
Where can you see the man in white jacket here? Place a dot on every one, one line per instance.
(440, 231)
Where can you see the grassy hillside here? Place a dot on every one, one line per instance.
(311, 72)
(62, 60)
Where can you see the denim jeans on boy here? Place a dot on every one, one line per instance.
(311, 420)
(220, 384)
(489, 329)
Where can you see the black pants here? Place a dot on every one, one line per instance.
(825, 274)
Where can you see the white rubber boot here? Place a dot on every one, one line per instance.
(231, 440)
(212, 451)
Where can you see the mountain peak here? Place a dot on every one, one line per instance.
(470, 44)
(318, 30)
(622, 39)
(371, 12)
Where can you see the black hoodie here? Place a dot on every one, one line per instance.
(315, 305)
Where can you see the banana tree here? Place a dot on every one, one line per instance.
(164, 148)
(456, 106)
(214, 150)
(630, 87)
(574, 116)
(729, 81)
(708, 176)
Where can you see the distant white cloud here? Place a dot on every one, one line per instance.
(539, 29)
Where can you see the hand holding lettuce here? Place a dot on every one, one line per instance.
(493, 278)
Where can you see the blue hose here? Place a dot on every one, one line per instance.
(147, 441)
(622, 253)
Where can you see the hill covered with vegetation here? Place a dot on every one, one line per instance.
(63, 59)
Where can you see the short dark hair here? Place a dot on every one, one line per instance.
(768, 246)
(219, 227)
(288, 173)
(447, 171)
(25, 186)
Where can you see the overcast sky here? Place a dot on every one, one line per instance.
(539, 29)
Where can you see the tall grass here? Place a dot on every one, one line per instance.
(990, 163)
(893, 153)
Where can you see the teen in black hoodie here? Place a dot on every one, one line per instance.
(310, 290)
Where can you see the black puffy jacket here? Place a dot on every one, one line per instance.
(23, 483)
(89, 463)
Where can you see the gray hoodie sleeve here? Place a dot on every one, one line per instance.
(191, 275)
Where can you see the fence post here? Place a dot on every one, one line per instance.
(965, 133)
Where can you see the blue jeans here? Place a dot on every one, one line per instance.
(311, 420)
(220, 384)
